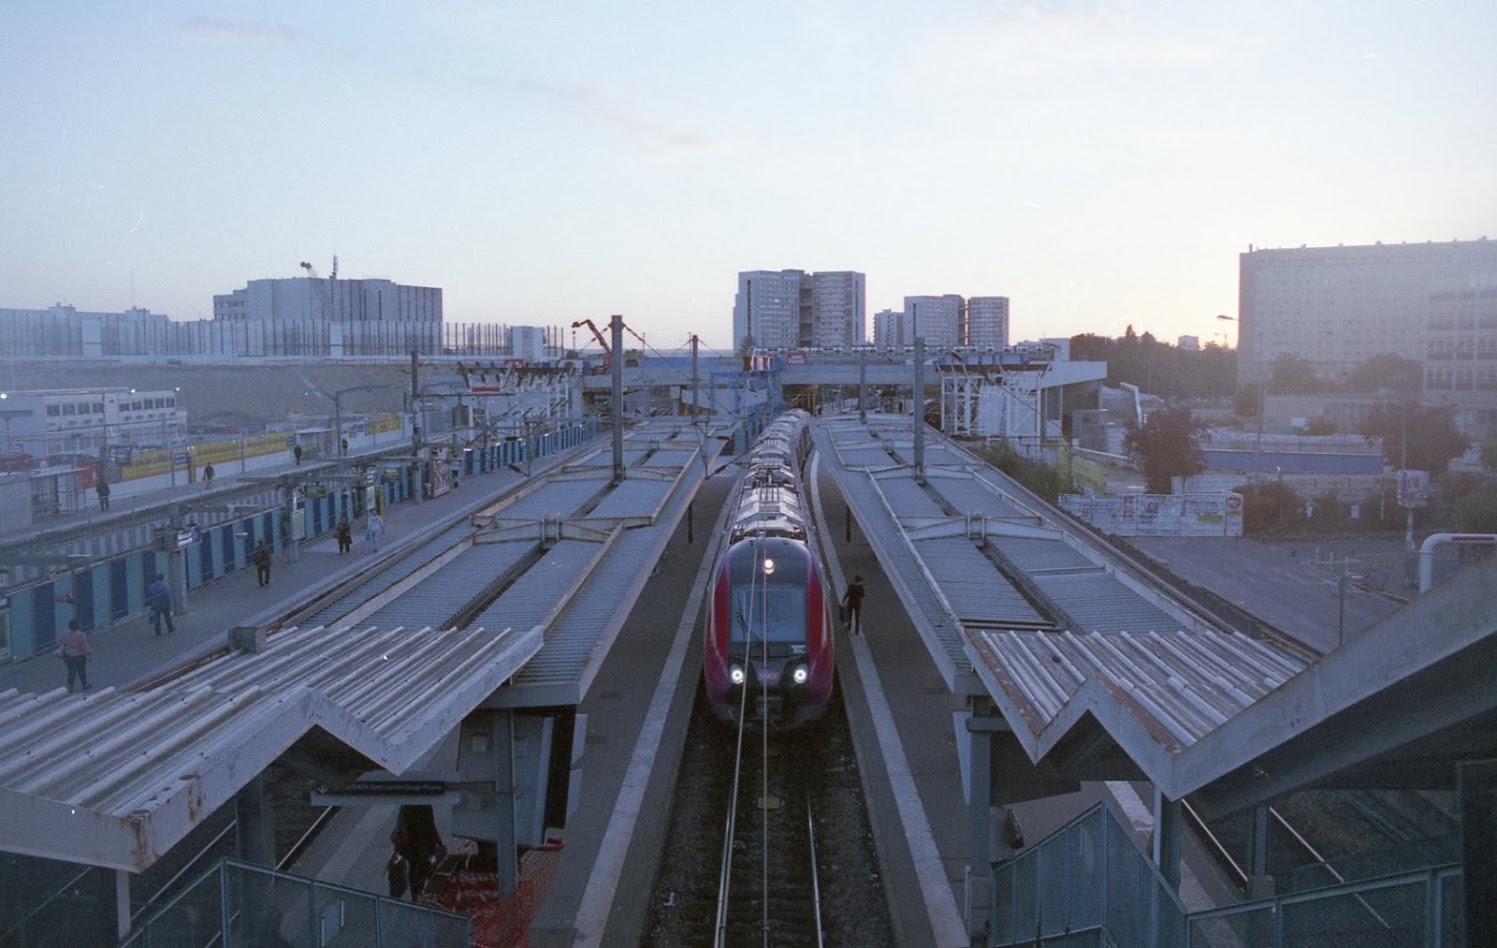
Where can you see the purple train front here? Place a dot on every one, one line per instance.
(769, 649)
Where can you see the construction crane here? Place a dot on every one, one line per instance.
(602, 343)
(324, 291)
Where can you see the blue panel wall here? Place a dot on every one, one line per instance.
(44, 615)
(83, 598)
(114, 589)
(228, 556)
(119, 588)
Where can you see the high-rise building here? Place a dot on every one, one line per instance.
(792, 308)
(316, 299)
(1339, 306)
(838, 308)
(987, 321)
(936, 319)
(888, 328)
(766, 309)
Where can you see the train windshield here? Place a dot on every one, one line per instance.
(773, 613)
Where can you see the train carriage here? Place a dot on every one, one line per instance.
(769, 651)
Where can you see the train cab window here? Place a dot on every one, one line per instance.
(769, 612)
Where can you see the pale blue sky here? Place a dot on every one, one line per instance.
(1099, 163)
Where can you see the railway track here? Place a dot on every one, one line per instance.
(793, 848)
(768, 888)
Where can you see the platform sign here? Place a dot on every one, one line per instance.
(179, 457)
(375, 792)
(1413, 488)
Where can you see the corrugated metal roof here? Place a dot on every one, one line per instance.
(1096, 601)
(1156, 671)
(977, 593)
(1188, 683)
(438, 598)
(141, 768)
(379, 580)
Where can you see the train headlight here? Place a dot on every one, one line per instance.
(800, 674)
(768, 566)
(735, 674)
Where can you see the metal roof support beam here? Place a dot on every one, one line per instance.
(1166, 855)
(919, 410)
(504, 799)
(616, 410)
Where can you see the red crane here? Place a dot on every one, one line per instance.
(602, 342)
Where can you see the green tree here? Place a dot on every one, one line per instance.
(1476, 512)
(1387, 370)
(1293, 376)
(1245, 402)
(1167, 446)
(1489, 455)
(1270, 506)
(1429, 435)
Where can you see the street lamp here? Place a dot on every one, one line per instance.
(1262, 378)
(8, 414)
(337, 398)
(1341, 582)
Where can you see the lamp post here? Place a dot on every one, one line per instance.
(1262, 378)
(1341, 582)
(337, 398)
(8, 414)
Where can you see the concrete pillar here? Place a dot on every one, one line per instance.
(254, 834)
(1167, 831)
(863, 385)
(504, 802)
(1476, 783)
(121, 903)
(979, 815)
(1260, 884)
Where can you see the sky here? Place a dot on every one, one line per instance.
(1100, 164)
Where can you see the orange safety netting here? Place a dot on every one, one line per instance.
(499, 921)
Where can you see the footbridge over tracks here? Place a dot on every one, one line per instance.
(1080, 664)
(491, 628)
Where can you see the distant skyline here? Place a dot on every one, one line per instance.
(1100, 164)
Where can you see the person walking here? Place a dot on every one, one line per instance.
(375, 528)
(345, 536)
(852, 601)
(207, 477)
(103, 492)
(73, 644)
(261, 558)
(159, 601)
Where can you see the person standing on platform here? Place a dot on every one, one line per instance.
(375, 528)
(103, 491)
(73, 644)
(852, 600)
(345, 536)
(261, 558)
(296, 452)
(207, 477)
(159, 601)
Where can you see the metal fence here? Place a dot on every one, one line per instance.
(238, 904)
(1087, 879)
(1091, 883)
(1423, 908)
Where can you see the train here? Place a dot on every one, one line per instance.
(769, 655)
